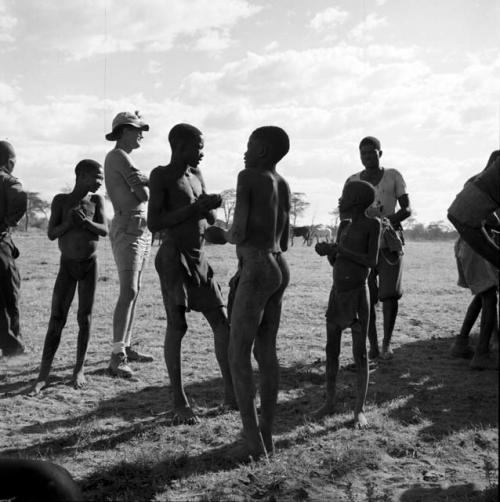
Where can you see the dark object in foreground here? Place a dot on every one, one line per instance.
(36, 480)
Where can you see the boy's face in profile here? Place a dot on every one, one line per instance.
(93, 180)
(370, 155)
(253, 153)
(193, 151)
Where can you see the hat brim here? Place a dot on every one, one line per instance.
(111, 136)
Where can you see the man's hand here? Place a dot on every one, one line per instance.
(215, 235)
(207, 202)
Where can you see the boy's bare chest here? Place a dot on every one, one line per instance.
(184, 190)
(85, 205)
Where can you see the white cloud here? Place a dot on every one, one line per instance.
(146, 25)
(212, 41)
(7, 93)
(364, 31)
(8, 23)
(328, 18)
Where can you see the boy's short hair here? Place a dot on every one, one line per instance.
(493, 157)
(182, 133)
(277, 140)
(360, 192)
(87, 165)
(370, 140)
(6, 152)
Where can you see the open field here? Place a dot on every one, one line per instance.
(433, 432)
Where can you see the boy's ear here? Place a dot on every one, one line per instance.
(263, 150)
(380, 153)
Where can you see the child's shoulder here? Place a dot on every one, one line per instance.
(60, 198)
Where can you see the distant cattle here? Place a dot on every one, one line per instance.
(320, 233)
(303, 232)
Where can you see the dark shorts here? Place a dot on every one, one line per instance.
(344, 307)
(385, 281)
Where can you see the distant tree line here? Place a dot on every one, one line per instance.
(37, 216)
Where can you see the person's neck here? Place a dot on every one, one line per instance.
(79, 192)
(178, 164)
(126, 147)
(373, 171)
(357, 212)
(266, 166)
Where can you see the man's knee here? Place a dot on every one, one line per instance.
(84, 319)
(176, 322)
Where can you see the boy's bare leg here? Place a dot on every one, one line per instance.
(244, 326)
(333, 338)
(390, 312)
(176, 329)
(64, 292)
(374, 352)
(461, 346)
(86, 291)
(482, 357)
(359, 332)
(220, 327)
(265, 354)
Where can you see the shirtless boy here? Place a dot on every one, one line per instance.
(180, 207)
(76, 220)
(354, 253)
(260, 231)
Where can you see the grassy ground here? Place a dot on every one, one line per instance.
(433, 422)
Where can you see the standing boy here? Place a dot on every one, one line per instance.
(180, 207)
(12, 208)
(76, 220)
(352, 257)
(385, 280)
(260, 231)
(127, 188)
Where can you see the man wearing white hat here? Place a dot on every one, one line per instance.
(127, 188)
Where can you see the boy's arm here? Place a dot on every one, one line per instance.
(98, 224)
(237, 233)
(285, 236)
(57, 225)
(210, 215)
(159, 218)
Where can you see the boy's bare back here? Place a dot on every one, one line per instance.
(264, 198)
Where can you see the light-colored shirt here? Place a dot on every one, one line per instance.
(387, 191)
(13, 200)
(120, 177)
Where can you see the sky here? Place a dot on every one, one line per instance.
(421, 75)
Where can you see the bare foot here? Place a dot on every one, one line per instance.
(326, 409)
(79, 380)
(38, 387)
(387, 353)
(184, 416)
(484, 362)
(360, 421)
(373, 353)
(241, 453)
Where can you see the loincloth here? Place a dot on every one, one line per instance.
(344, 306)
(78, 270)
(186, 278)
(474, 272)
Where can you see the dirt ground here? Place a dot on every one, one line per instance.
(433, 432)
